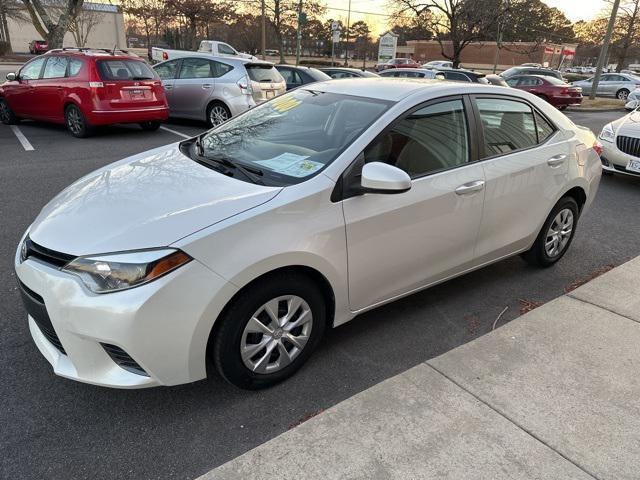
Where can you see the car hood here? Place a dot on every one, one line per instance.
(628, 125)
(149, 200)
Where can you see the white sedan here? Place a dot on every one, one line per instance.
(621, 145)
(240, 247)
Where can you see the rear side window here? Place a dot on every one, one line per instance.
(508, 125)
(529, 82)
(124, 70)
(219, 69)
(545, 129)
(226, 49)
(262, 73)
(56, 67)
(75, 66)
(458, 77)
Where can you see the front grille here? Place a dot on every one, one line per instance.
(123, 359)
(46, 255)
(629, 145)
(34, 304)
(623, 169)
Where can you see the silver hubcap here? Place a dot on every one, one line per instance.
(74, 120)
(218, 115)
(623, 95)
(276, 334)
(559, 233)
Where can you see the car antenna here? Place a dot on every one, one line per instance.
(113, 52)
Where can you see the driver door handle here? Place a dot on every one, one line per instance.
(471, 187)
(557, 160)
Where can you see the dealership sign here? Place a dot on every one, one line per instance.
(387, 47)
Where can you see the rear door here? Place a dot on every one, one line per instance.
(52, 88)
(129, 84)
(525, 165)
(192, 87)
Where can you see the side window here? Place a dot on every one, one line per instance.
(508, 125)
(31, 70)
(545, 129)
(75, 66)
(195, 68)
(458, 77)
(287, 75)
(167, 70)
(226, 49)
(56, 67)
(428, 140)
(512, 82)
(219, 69)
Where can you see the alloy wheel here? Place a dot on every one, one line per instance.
(218, 115)
(74, 121)
(276, 334)
(559, 233)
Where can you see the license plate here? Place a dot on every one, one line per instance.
(137, 92)
(271, 93)
(634, 166)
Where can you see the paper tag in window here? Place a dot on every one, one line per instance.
(291, 164)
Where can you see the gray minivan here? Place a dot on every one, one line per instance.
(214, 89)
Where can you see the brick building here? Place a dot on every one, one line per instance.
(481, 55)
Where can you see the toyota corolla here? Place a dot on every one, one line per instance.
(240, 247)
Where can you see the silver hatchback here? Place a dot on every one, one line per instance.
(618, 85)
(214, 89)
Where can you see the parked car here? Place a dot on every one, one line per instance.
(438, 64)
(547, 72)
(342, 72)
(37, 47)
(397, 63)
(272, 52)
(297, 76)
(618, 85)
(214, 89)
(206, 48)
(621, 145)
(534, 65)
(244, 244)
(633, 100)
(558, 93)
(463, 75)
(83, 89)
(412, 73)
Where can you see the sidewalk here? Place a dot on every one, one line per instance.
(554, 394)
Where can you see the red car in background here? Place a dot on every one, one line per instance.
(37, 47)
(85, 88)
(397, 63)
(557, 92)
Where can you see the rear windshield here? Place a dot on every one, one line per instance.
(554, 81)
(264, 73)
(125, 70)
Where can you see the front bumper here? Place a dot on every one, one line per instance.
(163, 325)
(615, 161)
(135, 115)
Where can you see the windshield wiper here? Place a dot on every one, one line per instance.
(253, 174)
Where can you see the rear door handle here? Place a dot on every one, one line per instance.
(206, 86)
(557, 160)
(168, 87)
(471, 187)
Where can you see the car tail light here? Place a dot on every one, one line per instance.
(165, 56)
(597, 147)
(245, 86)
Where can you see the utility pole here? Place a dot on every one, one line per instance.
(346, 46)
(264, 31)
(605, 48)
(299, 35)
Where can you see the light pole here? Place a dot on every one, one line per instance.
(604, 50)
(264, 31)
(299, 35)
(346, 46)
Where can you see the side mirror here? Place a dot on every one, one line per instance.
(378, 177)
(11, 76)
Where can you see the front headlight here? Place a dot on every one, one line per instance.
(119, 271)
(607, 134)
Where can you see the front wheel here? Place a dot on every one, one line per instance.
(556, 235)
(6, 114)
(76, 122)
(269, 331)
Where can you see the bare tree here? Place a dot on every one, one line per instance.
(9, 9)
(82, 25)
(627, 29)
(43, 16)
(150, 15)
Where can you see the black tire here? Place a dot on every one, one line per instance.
(223, 111)
(538, 255)
(226, 341)
(562, 108)
(622, 94)
(150, 126)
(6, 114)
(76, 122)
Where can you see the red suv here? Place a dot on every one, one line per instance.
(84, 88)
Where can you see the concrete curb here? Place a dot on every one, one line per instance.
(552, 394)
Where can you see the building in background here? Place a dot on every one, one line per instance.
(101, 24)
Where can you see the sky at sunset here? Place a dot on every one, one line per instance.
(374, 11)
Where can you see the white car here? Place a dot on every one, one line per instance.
(241, 246)
(437, 64)
(621, 145)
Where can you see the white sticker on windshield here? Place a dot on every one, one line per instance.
(291, 164)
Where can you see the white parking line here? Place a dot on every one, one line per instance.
(22, 139)
(175, 132)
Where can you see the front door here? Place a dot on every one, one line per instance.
(192, 88)
(22, 94)
(402, 242)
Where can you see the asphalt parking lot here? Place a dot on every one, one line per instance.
(56, 428)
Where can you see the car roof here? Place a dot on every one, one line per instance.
(95, 52)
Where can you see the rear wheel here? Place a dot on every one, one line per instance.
(269, 331)
(622, 94)
(76, 122)
(562, 108)
(217, 113)
(556, 235)
(6, 114)
(150, 126)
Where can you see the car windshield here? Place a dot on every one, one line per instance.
(292, 137)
